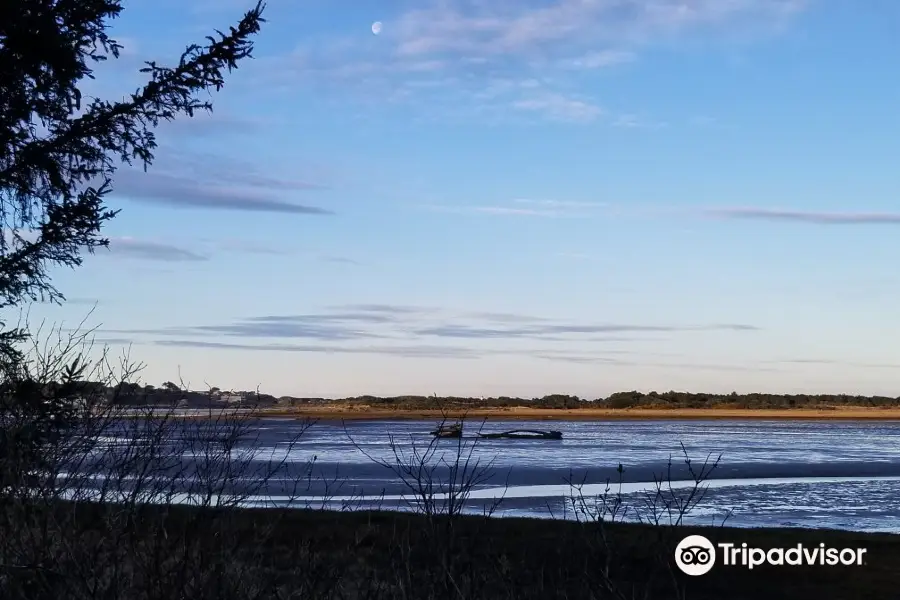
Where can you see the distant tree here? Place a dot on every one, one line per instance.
(170, 387)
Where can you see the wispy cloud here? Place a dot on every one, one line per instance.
(206, 249)
(684, 366)
(497, 87)
(307, 326)
(415, 351)
(246, 246)
(530, 208)
(631, 121)
(600, 59)
(560, 107)
(611, 359)
(349, 328)
(183, 192)
(112, 341)
(460, 49)
(390, 309)
(512, 211)
(561, 204)
(265, 248)
(827, 362)
(213, 124)
(812, 217)
(205, 181)
(152, 250)
(502, 317)
(482, 28)
(341, 260)
(560, 331)
(616, 361)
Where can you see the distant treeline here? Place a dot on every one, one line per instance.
(632, 399)
(169, 393)
(735, 400)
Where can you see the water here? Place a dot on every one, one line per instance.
(842, 475)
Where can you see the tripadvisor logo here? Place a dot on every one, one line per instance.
(696, 555)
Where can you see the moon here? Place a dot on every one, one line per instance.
(376, 27)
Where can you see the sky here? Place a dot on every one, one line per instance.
(513, 197)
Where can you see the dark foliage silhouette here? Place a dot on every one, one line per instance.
(58, 153)
(59, 150)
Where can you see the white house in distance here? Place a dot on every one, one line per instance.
(227, 397)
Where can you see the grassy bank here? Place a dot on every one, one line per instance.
(343, 412)
(163, 552)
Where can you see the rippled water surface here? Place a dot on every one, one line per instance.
(772, 473)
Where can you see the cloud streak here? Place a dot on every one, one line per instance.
(512, 211)
(130, 247)
(182, 192)
(247, 247)
(356, 326)
(554, 209)
(561, 108)
(600, 59)
(402, 351)
(338, 328)
(213, 124)
(599, 360)
(561, 331)
(151, 250)
(391, 309)
(811, 217)
(832, 362)
(456, 352)
(207, 181)
(483, 28)
(340, 260)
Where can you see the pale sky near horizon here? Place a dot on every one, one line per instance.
(514, 197)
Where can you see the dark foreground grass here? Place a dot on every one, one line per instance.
(179, 552)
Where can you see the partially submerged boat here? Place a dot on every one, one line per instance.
(448, 431)
(524, 434)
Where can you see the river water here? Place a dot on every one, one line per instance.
(842, 475)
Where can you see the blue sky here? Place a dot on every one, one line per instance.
(514, 197)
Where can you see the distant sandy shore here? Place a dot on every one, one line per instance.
(337, 413)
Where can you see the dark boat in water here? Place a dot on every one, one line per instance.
(448, 431)
(524, 434)
(455, 430)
